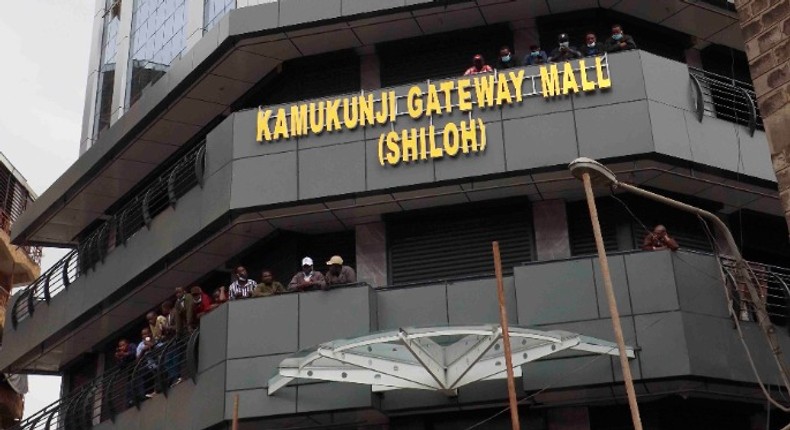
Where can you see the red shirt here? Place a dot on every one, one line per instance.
(473, 71)
(204, 305)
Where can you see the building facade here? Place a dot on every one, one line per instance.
(255, 133)
(19, 265)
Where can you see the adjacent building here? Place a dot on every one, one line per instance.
(255, 133)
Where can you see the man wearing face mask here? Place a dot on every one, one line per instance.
(242, 287)
(536, 56)
(307, 278)
(565, 51)
(506, 59)
(619, 41)
(478, 66)
(592, 47)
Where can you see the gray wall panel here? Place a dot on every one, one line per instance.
(219, 146)
(261, 17)
(257, 403)
(213, 338)
(215, 195)
(538, 141)
(335, 395)
(244, 139)
(664, 350)
(351, 7)
(492, 160)
(536, 104)
(299, 11)
(567, 372)
(250, 373)
(411, 399)
(475, 302)
(709, 354)
(619, 283)
(383, 177)
(555, 292)
(666, 82)
(713, 142)
(669, 130)
(651, 293)
(249, 319)
(326, 138)
(128, 420)
(153, 414)
(332, 170)
(619, 129)
(412, 307)
(628, 82)
(178, 399)
(264, 180)
(756, 155)
(699, 286)
(208, 408)
(335, 314)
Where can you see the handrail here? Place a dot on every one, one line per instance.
(724, 98)
(773, 283)
(78, 409)
(94, 248)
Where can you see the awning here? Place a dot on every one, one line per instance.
(434, 358)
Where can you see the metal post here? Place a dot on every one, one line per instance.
(511, 383)
(235, 423)
(607, 281)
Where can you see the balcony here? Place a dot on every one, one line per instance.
(674, 311)
(647, 123)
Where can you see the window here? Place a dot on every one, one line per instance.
(157, 38)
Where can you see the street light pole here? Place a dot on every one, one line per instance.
(615, 314)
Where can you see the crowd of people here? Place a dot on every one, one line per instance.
(617, 41)
(181, 315)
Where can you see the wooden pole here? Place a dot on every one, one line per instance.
(235, 422)
(607, 282)
(511, 383)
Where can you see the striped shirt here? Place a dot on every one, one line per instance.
(241, 291)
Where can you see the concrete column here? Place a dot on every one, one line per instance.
(570, 418)
(86, 138)
(525, 33)
(766, 29)
(195, 15)
(371, 248)
(551, 229)
(122, 62)
(370, 69)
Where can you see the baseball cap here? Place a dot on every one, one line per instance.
(336, 259)
(307, 261)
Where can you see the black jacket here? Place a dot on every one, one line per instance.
(612, 45)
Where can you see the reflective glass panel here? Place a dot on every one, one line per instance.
(213, 10)
(158, 37)
(106, 82)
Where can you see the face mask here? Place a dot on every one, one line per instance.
(506, 58)
(535, 53)
(565, 44)
(617, 36)
(591, 45)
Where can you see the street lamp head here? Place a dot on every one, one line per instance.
(599, 174)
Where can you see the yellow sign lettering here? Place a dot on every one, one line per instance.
(550, 80)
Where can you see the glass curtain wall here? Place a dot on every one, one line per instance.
(214, 10)
(106, 82)
(158, 37)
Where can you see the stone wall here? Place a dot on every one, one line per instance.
(766, 31)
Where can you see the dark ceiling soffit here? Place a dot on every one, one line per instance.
(115, 140)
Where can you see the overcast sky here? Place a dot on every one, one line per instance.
(45, 46)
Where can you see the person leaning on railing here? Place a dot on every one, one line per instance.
(658, 239)
(619, 41)
(268, 286)
(307, 278)
(338, 274)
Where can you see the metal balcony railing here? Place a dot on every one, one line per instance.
(163, 192)
(725, 98)
(121, 388)
(771, 282)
